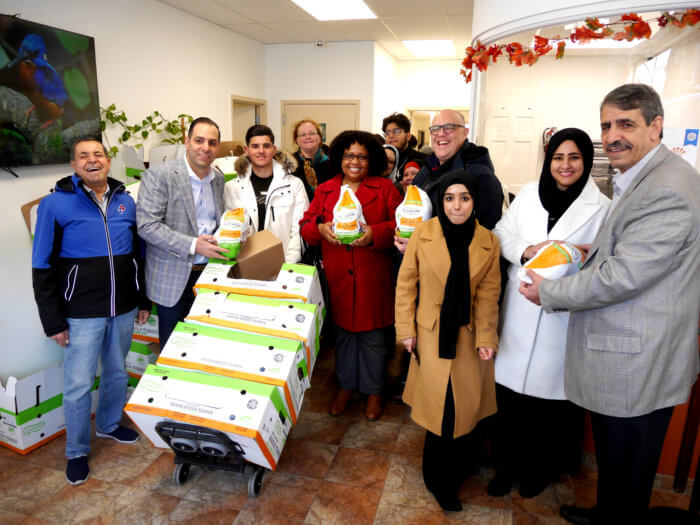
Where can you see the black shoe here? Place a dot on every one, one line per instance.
(577, 515)
(500, 485)
(121, 434)
(77, 470)
(529, 488)
(449, 503)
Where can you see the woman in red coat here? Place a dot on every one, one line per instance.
(359, 274)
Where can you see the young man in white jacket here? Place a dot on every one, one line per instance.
(272, 197)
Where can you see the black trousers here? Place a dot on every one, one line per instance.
(536, 439)
(627, 451)
(447, 461)
(169, 316)
(360, 359)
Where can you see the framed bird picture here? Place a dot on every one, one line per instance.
(48, 92)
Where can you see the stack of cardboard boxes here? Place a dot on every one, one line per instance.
(242, 360)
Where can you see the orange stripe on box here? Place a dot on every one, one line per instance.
(145, 338)
(188, 418)
(266, 452)
(35, 446)
(250, 292)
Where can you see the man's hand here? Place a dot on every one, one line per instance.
(143, 316)
(366, 237)
(410, 345)
(326, 231)
(486, 353)
(532, 250)
(401, 243)
(62, 338)
(531, 291)
(206, 245)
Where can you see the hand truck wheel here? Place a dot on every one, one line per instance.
(255, 482)
(180, 473)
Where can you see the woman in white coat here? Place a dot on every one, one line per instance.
(539, 432)
(285, 199)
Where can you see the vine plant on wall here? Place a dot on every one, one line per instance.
(633, 27)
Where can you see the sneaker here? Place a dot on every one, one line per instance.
(121, 434)
(77, 470)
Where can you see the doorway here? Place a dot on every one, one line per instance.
(333, 116)
(246, 112)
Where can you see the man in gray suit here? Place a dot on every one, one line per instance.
(179, 207)
(632, 347)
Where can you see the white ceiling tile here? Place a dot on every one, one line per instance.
(400, 8)
(395, 48)
(458, 7)
(461, 27)
(420, 28)
(260, 33)
(269, 11)
(304, 31)
(210, 10)
(359, 30)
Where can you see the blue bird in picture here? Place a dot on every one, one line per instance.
(31, 74)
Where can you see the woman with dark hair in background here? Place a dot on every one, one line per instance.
(446, 317)
(359, 274)
(538, 432)
(313, 167)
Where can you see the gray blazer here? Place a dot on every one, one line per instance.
(167, 221)
(632, 344)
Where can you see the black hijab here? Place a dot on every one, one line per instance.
(456, 303)
(555, 201)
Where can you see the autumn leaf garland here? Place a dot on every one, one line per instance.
(634, 28)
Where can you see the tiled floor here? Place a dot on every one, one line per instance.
(342, 470)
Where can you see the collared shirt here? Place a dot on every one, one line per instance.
(622, 181)
(101, 203)
(203, 195)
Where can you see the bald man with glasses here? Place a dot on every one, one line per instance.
(452, 151)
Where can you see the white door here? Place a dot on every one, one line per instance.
(333, 116)
(511, 138)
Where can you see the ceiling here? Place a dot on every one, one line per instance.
(283, 22)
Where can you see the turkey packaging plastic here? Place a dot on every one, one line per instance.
(414, 209)
(553, 261)
(232, 231)
(347, 216)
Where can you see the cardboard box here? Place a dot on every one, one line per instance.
(260, 358)
(149, 330)
(261, 315)
(141, 354)
(31, 409)
(251, 414)
(260, 258)
(294, 282)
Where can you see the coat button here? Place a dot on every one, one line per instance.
(350, 272)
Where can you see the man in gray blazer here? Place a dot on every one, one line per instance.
(632, 347)
(178, 210)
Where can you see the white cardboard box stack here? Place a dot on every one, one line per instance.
(242, 362)
(31, 409)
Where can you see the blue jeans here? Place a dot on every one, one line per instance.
(107, 339)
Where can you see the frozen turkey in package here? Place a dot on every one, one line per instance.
(347, 216)
(232, 231)
(554, 261)
(414, 209)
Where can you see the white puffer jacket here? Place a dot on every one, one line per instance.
(286, 201)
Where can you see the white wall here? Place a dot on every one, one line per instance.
(149, 56)
(432, 84)
(336, 71)
(387, 87)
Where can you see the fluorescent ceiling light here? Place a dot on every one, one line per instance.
(336, 9)
(430, 48)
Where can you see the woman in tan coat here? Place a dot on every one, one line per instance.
(447, 318)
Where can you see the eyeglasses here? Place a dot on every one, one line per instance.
(447, 128)
(349, 157)
(395, 131)
(309, 134)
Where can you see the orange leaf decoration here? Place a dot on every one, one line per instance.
(631, 17)
(691, 17)
(593, 23)
(560, 50)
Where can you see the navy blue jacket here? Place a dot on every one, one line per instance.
(476, 161)
(85, 264)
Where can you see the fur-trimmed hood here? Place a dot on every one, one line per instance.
(286, 160)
